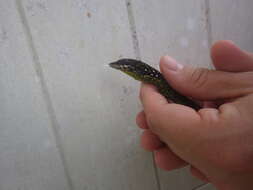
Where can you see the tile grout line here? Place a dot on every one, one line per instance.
(133, 29)
(208, 23)
(137, 53)
(44, 89)
(156, 173)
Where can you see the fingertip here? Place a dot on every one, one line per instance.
(141, 120)
(222, 47)
(150, 141)
(227, 56)
(149, 87)
(145, 88)
(223, 43)
(167, 160)
(164, 59)
(150, 97)
(169, 63)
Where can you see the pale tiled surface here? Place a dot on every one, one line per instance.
(232, 19)
(67, 121)
(29, 157)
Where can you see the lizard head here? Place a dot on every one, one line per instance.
(137, 69)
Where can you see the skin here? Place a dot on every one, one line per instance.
(216, 141)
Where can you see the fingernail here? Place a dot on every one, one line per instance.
(172, 64)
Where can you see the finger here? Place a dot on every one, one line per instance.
(168, 121)
(198, 174)
(151, 98)
(227, 56)
(167, 160)
(204, 84)
(242, 105)
(150, 141)
(141, 120)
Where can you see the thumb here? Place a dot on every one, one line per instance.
(227, 56)
(205, 84)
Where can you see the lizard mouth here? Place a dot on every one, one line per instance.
(115, 65)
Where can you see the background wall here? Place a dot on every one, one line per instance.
(67, 122)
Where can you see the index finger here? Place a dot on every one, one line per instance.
(168, 120)
(150, 97)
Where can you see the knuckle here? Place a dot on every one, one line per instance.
(210, 116)
(151, 120)
(199, 77)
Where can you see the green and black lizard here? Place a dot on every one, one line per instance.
(145, 73)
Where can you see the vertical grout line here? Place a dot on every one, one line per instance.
(208, 23)
(137, 53)
(45, 93)
(133, 29)
(156, 173)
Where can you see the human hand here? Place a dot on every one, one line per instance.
(216, 142)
